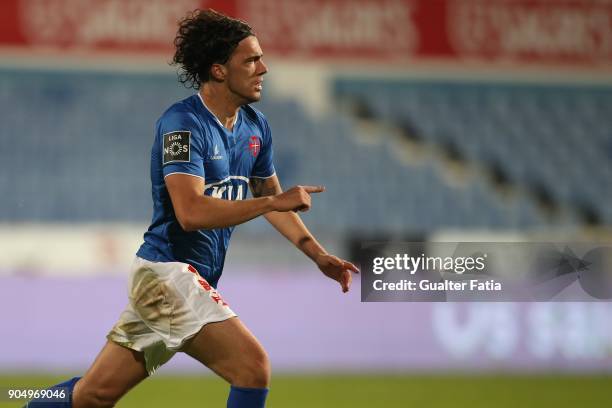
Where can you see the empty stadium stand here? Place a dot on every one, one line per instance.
(89, 135)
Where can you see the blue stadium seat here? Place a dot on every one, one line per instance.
(560, 136)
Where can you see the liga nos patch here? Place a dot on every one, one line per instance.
(177, 147)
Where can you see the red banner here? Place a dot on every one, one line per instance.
(564, 32)
(143, 26)
(548, 31)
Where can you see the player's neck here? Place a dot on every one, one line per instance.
(221, 106)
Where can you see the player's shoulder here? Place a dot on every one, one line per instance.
(181, 113)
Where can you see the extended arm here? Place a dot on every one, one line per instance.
(290, 225)
(196, 211)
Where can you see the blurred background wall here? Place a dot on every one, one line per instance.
(425, 120)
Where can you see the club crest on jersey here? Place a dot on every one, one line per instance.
(254, 145)
(176, 146)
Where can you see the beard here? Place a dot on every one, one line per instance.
(244, 94)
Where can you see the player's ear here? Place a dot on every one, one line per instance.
(218, 72)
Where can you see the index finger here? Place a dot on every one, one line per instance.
(351, 266)
(314, 189)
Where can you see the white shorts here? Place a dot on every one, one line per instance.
(169, 303)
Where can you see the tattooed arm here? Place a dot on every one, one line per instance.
(290, 225)
(262, 187)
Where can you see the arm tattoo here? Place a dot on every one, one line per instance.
(303, 241)
(264, 187)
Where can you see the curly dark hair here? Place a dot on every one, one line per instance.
(204, 38)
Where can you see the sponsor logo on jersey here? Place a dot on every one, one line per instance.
(216, 155)
(226, 192)
(254, 145)
(176, 146)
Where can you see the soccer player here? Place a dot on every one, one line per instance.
(208, 148)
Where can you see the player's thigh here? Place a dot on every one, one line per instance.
(229, 349)
(114, 372)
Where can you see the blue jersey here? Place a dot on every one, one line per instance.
(191, 140)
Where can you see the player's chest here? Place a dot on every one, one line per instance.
(231, 155)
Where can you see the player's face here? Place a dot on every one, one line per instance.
(245, 70)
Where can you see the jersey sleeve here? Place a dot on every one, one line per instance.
(182, 143)
(264, 165)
